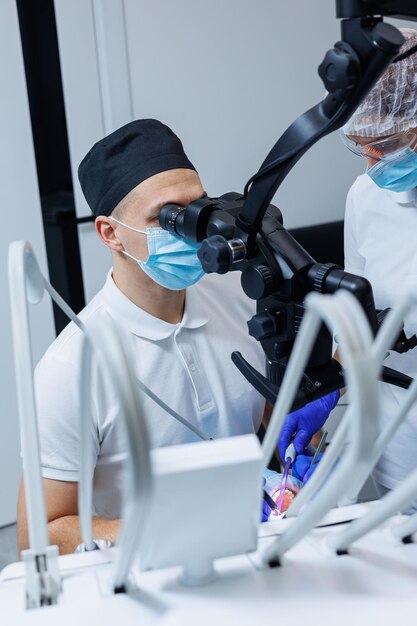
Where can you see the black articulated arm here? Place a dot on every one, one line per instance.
(245, 232)
(348, 72)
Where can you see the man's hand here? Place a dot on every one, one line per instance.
(305, 422)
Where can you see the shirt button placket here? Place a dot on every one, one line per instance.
(200, 384)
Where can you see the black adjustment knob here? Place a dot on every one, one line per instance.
(320, 275)
(339, 68)
(258, 281)
(215, 255)
(263, 326)
(387, 37)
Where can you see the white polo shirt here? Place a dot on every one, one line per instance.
(380, 244)
(187, 365)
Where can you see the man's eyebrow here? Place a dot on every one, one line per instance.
(203, 195)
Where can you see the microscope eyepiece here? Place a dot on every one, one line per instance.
(171, 218)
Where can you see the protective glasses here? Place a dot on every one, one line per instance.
(381, 147)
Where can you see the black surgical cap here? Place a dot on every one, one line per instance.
(125, 158)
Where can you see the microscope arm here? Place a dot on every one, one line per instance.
(316, 383)
(348, 71)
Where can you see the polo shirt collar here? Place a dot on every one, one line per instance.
(405, 197)
(141, 323)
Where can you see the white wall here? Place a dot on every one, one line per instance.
(21, 219)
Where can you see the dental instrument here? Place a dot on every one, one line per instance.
(270, 501)
(320, 447)
(283, 484)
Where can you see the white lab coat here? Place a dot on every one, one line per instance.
(380, 244)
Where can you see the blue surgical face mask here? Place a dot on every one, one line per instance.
(397, 172)
(172, 262)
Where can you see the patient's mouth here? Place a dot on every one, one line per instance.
(289, 496)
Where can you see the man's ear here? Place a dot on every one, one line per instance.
(106, 230)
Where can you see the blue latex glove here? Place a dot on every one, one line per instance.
(302, 468)
(311, 470)
(305, 422)
(266, 511)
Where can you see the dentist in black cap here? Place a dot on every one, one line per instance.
(183, 326)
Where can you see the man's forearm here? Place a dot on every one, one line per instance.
(65, 531)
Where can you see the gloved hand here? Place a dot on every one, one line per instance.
(305, 422)
(302, 468)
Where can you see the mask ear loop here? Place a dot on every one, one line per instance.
(136, 230)
(139, 261)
